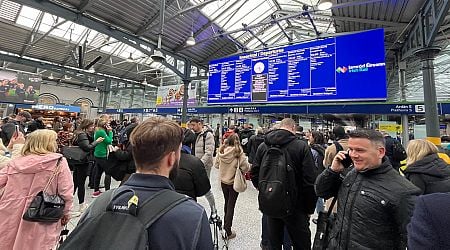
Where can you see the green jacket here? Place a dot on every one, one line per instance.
(101, 150)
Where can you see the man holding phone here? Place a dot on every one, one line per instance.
(374, 202)
(9, 129)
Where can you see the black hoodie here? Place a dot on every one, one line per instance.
(302, 160)
(431, 174)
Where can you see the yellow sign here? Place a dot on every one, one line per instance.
(390, 128)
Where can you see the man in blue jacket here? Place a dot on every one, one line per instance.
(429, 224)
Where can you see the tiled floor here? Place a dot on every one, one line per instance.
(247, 218)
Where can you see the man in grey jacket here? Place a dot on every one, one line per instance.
(203, 149)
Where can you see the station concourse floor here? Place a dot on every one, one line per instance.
(247, 217)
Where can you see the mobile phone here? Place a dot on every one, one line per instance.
(347, 161)
(17, 131)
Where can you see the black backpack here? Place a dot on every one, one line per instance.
(109, 228)
(277, 183)
(398, 152)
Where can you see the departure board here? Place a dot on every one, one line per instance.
(341, 68)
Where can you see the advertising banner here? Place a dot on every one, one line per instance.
(19, 87)
(172, 95)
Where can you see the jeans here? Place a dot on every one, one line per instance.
(265, 241)
(297, 226)
(230, 202)
(99, 163)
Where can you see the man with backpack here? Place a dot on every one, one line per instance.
(394, 150)
(244, 137)
(146, 212)
(203, 148)
(284, 173)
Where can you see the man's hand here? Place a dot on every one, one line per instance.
(336, 165)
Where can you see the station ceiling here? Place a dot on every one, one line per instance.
(220, 28)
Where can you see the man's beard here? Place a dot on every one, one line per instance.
(174, 171)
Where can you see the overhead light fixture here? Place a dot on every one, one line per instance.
(191, 40)
(66, 77)
(96, 89)
(130, 58)
(51, 77)
(145, 81)
(91, 70)
(158, 56)
(324, 5)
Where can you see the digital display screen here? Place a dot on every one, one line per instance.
(342, 68)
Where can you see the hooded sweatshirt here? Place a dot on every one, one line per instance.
(431, 174)
(227, 163)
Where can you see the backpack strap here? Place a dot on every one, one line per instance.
(159, 204)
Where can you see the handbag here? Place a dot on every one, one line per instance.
(324, 223)
(46, 207)
(239, 184)
(74, 154)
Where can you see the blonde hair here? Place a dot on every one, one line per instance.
(418, 149)
(40, 142)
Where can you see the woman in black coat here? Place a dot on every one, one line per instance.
(425, 169)
(84, 139)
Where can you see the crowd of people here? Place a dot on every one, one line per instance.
(380, 203)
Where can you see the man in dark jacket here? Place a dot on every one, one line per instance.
(244, 136)
(390, 142)
(301, 160)
(156, 145)
(429, 224)
(374, 202)
(191, 179)
(36, 124)
(253, 144)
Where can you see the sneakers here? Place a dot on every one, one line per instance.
(231, 236)
(96, 194)
(213, 218)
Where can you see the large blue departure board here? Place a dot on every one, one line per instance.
(342, 68)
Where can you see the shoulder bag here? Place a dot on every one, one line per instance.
(324, 223)
(46, 207)
(239, 184)
(75, 154)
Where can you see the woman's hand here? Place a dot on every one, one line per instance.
(100, 139)
(19, 139)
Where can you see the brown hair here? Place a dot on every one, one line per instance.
(85, 124)
(153, 139)
(67, 126)
(232, 141)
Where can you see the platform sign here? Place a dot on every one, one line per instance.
(342, 68)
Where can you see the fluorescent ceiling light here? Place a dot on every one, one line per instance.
(324, 4)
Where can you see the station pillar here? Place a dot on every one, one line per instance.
(402, 86)
(427, 56)
(185, 101)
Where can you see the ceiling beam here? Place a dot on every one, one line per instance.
(107, 29)
(84, 5)
(150, 21)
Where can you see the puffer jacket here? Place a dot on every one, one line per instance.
(431, 174)
(227, 163)
(206, 156)
(374, 207)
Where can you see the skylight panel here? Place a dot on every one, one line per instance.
(9, 10)
(27, 16)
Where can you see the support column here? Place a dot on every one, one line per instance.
(185, 101)
(402, 86)
(429, 90)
